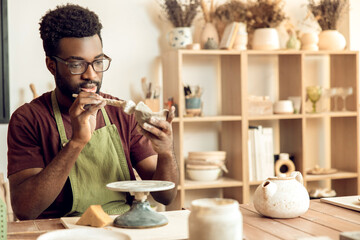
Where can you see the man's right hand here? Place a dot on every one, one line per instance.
(83, 116)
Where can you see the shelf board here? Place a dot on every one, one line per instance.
(306, 115)
(220, 183)
(261, 52)
(338, 175)
(276, 116)
(209, 119)
(311, 177)
(331, 114)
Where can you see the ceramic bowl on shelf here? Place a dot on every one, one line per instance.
(208, 156)
(203, 173)
(283, 107)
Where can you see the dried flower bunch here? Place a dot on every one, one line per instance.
(265, 14)
(232, 11)
(327, 12)
(180, 13)
(208, 13)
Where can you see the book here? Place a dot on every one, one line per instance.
(260, 153)
(229, 35)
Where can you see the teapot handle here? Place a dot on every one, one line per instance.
(298, 176)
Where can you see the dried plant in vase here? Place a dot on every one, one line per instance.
(180, 13)
(327, 12)
(209, 38)
(263, 17)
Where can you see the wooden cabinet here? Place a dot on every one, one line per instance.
(329, 138)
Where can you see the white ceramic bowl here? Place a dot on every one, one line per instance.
(283, 107)
(203, 173)
(208, 156)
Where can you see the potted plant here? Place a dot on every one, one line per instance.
(263, 17)
(328, 13)
(181, 14)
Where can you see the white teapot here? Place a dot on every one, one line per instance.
(282, 197)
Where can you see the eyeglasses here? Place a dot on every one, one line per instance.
(81, 66)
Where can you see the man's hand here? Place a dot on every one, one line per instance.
(160, 133)
(164, 166)
(83, 116)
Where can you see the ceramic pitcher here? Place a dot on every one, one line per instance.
(180, 37)
(282, 197)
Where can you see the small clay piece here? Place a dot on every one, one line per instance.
(143, 113)
(210, 44)
(319, 170)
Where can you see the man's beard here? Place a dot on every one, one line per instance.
(66, 89)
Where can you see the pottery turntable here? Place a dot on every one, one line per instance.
(140, 215)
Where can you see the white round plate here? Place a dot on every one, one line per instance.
(140, 186)
(84, 234)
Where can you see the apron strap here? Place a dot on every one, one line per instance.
(106, 117)
(58, 118)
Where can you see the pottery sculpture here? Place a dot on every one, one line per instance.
(282, 197)
(143, 113)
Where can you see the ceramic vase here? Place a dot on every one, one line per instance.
(209, 32)
(265, 39)
(309, 41)
(214, 219)
(180, 37)
(331, 40)
(241, 39)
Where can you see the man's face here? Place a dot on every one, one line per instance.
(75, 49)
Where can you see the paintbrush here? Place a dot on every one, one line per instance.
(128, 106)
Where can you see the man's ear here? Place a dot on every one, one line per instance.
(51, 65)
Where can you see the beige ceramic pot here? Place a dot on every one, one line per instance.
(331, 40)
(282, 197)
(214, 219)
(265, 39)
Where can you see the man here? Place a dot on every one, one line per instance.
(62, 150)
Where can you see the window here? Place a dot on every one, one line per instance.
(4, 64)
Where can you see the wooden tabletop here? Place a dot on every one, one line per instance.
(321, 219)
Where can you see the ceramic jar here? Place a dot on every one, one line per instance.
(331, 40)
(282, 197)
(265, 39)
(309, 41)
(180, 37)
(214, 219)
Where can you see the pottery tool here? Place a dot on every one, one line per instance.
(128, 106)
(33, 90)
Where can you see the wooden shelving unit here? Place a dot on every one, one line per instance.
(330, 139)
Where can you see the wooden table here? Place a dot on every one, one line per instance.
(321, 219)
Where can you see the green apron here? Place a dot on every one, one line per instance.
(100, 162)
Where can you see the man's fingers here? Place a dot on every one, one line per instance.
(171, 114)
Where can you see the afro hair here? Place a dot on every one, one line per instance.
(67, 21)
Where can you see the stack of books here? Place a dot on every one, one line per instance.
(260, 153)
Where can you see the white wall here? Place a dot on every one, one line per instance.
(133, 36)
